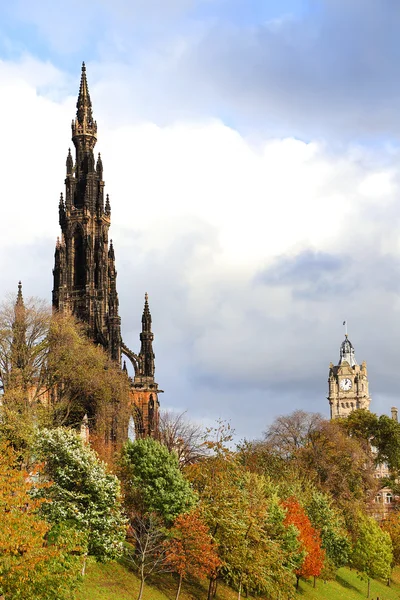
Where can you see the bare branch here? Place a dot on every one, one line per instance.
(185, 438)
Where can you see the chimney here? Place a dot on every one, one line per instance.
(394, 413)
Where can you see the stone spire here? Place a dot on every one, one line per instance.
(84, 105)
(19, 327)
(69, 162)
(84, 128)
(20, 298)
(146, 354)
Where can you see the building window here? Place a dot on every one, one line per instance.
(79, 260)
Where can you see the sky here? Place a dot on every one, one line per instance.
(251, 150)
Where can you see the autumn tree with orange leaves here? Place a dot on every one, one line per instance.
(310, 540)
(37, 561)
(190, 549)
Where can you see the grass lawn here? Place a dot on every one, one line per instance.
(112, 581)
(348, 586)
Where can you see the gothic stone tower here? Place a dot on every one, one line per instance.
(84, 266)
(348, 383)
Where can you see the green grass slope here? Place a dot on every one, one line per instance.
(114, 582)
(348, 586)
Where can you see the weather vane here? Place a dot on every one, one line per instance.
(345, 327)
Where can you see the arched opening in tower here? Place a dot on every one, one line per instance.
(79, 261)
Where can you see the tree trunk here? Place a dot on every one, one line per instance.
(210, 589)
(240, 589)
(315, 579)
(178, 591)
(369, 586)
(297, 581)
(141, 589)
(84, 565)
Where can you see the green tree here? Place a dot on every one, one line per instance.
(242, 511)
(372, 553)
(153, 482)
(82, 494)
(330, 524)
(382, 433)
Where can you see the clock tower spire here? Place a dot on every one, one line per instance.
(348, 383)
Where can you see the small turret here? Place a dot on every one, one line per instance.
(99, 167)
(108, 206)
(146, 355)
(20, 298)
(69, 163)
(146, 317)
(111, 253)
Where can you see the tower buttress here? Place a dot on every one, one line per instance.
(144, 393)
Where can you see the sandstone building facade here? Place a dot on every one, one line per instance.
(348, 383)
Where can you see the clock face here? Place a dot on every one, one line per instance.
(346, 384)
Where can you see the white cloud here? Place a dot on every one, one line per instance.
(198, 211)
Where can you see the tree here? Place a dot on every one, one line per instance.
(181, 436)
(382, 432)
(80, 379)
(372, 554)
(153, 482)
(23, 330)
(242, 511)
(328, 521)
(190, 549)
(52, 374)
(309, 539)
(392, 526)
(265, 553)
(36, 561)
(288, 433)
(339, 465)
(82, 493)
(147, 551)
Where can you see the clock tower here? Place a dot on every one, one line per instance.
(348, 383)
